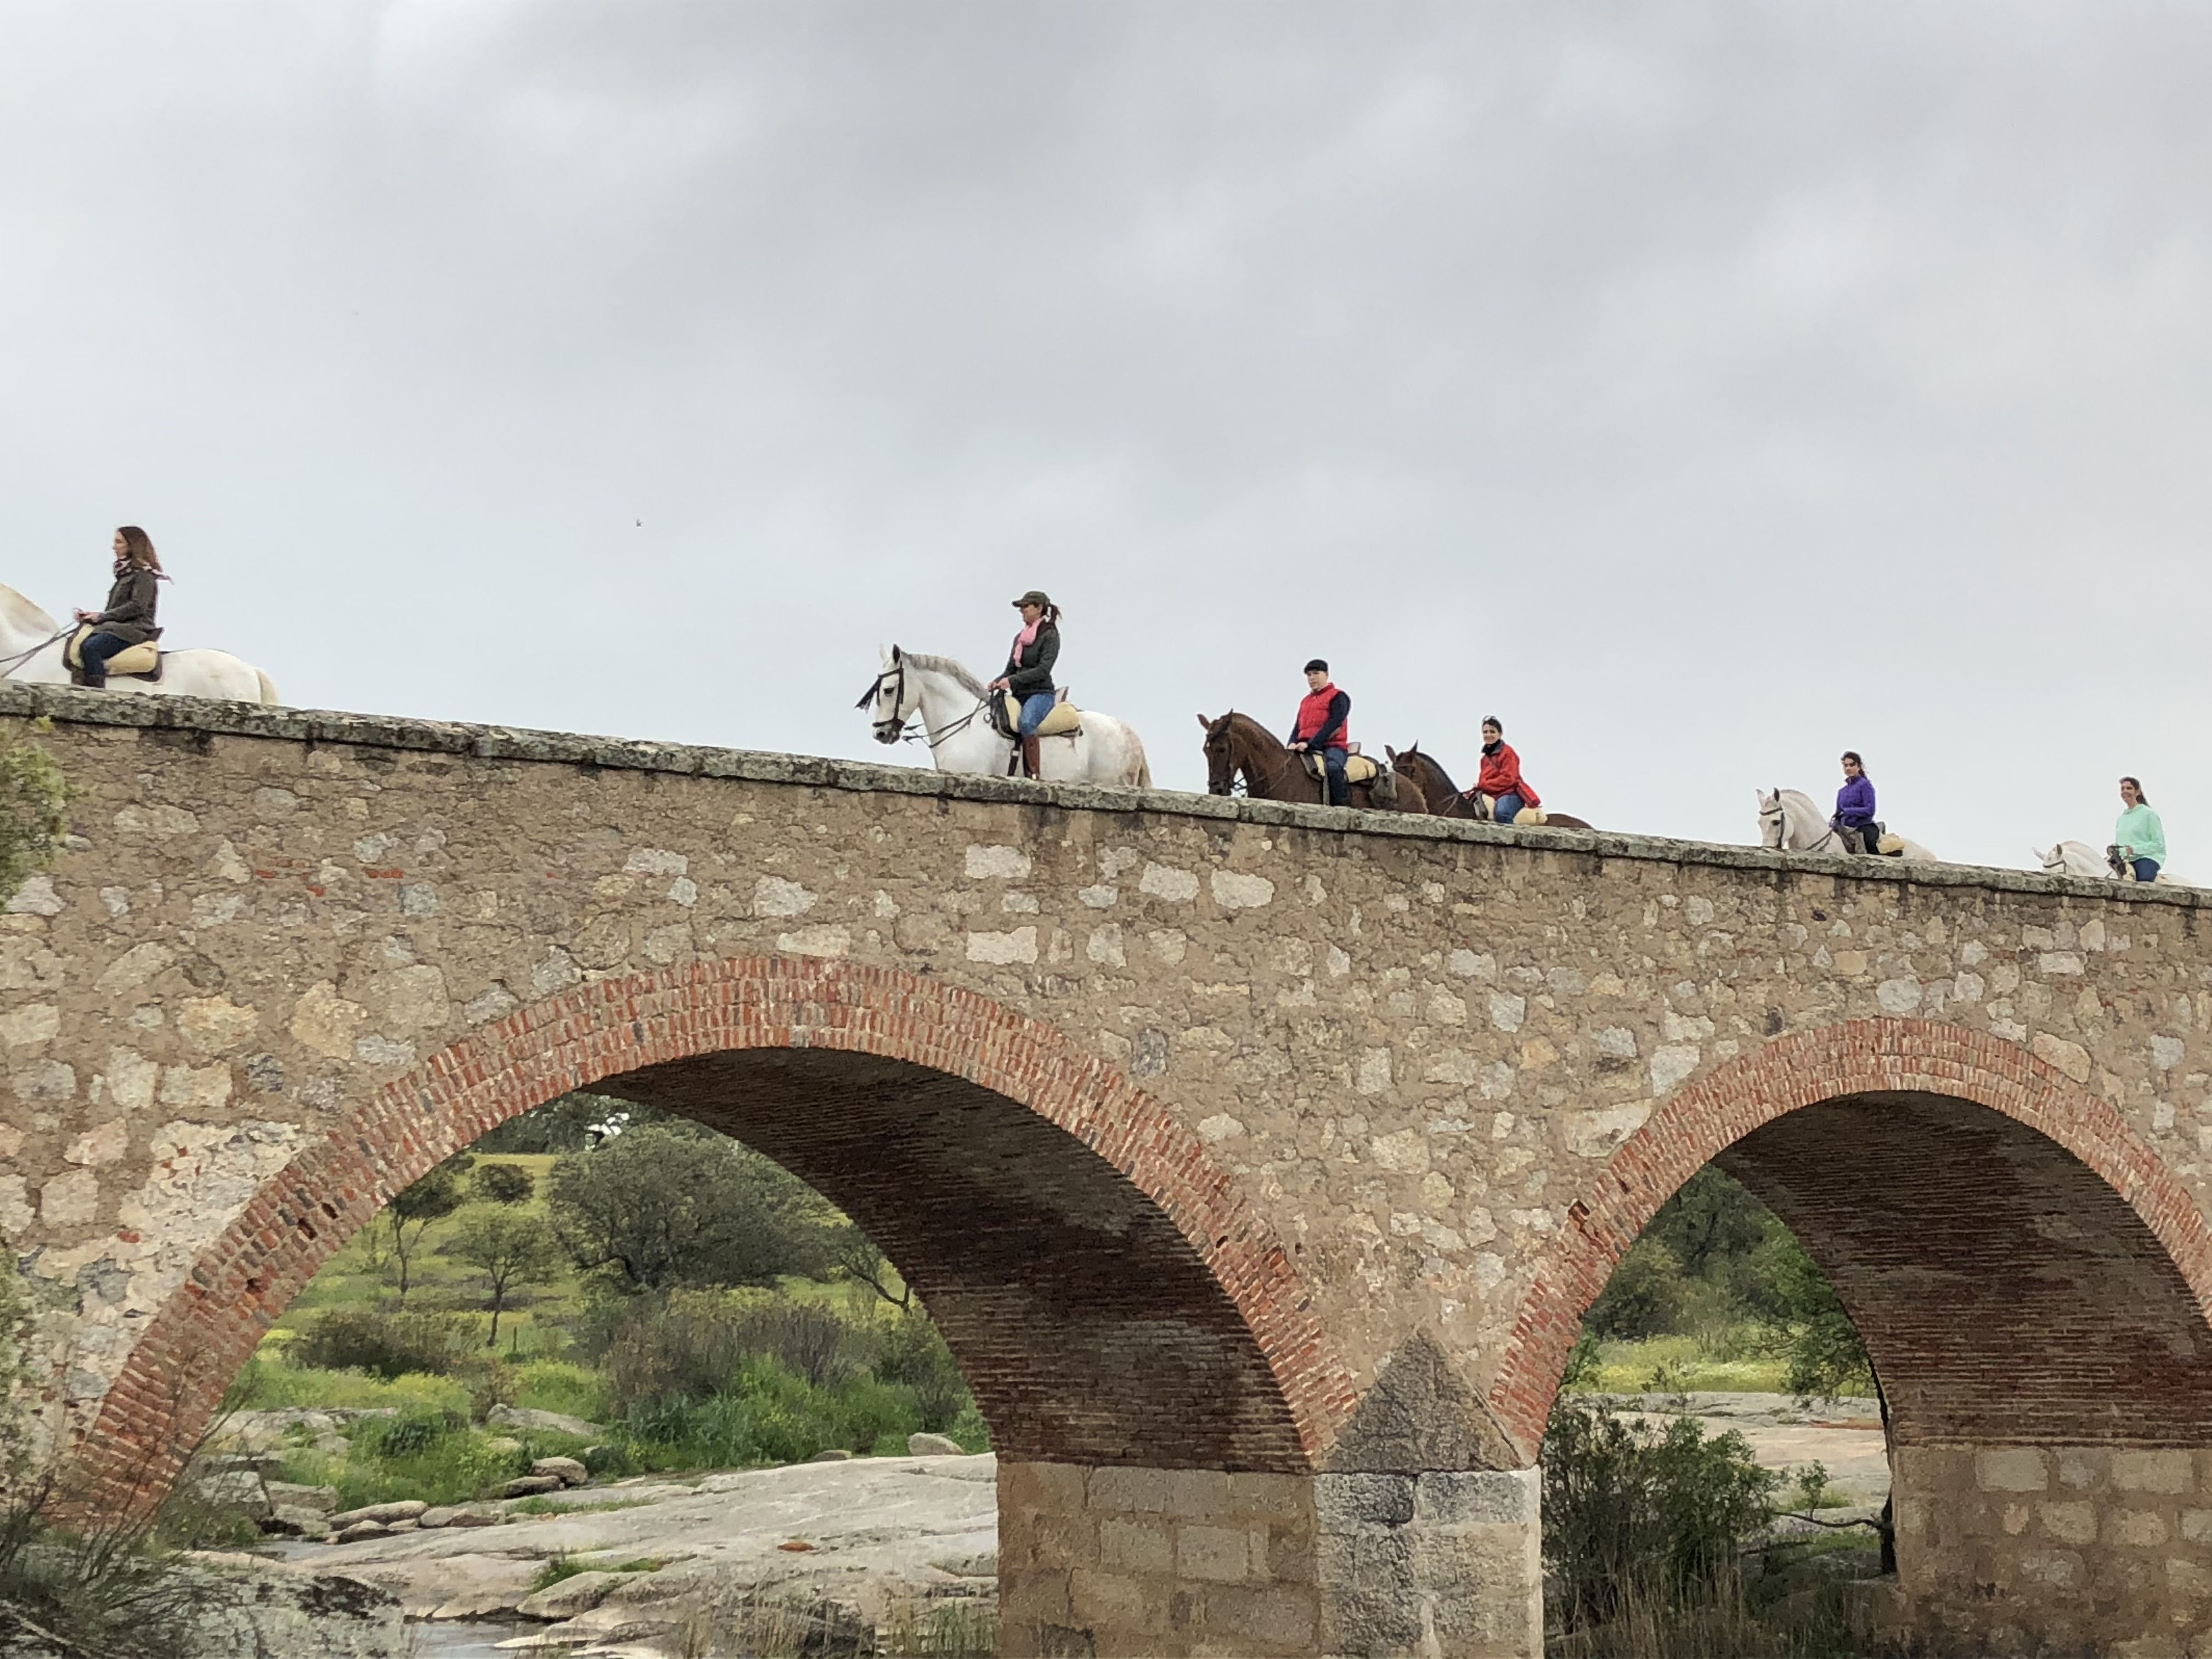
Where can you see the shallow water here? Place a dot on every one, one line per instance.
(472, 1638)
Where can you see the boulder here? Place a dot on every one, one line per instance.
(290, 1521)
(258, 1606)
(233, 1489)
(567, 1470)
(503, 1445)
(332, 1444)
(934, 1445)
(290, 1494)
(530, 1486)
(578, 1593)
(359, 1530)
(402, 1526)
(831, 1455)
(409, 1509)
(523, 1417)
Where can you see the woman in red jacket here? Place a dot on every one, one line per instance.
(1501, 778)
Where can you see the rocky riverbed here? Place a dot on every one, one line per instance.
(659, 1566)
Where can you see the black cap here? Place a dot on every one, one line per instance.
(1316, 666)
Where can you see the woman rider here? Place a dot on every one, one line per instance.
(128, 618)
(2139, 839)
(1855, 809)
(1029, 672)
(1500, 778)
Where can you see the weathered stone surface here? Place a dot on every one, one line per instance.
(527, 1417)
(567, 1470)
(531, 1486)
(1337, 1099)
(409, 1509)
(579, 1593)
(934, 1445)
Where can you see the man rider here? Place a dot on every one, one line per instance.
(1324, 715)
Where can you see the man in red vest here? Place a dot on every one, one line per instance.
(1501, 780)
(1323, 722)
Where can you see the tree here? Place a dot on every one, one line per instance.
(510, 1248)
(433, 1198)
(503, 1184)
(33, 802)
(666, 1204)
(853, 1256)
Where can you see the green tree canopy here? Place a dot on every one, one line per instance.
(510, 1247)
(670, 1204)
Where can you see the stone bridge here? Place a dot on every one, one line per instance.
(1258, 1162)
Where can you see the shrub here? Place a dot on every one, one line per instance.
(556, 1385)
(691, 1345)
(915, 1354)
(769, 1415)
(503, 1184)
(383, 1345)
(415, 1430)
(663, 1206)
(1637, 1514)
(33, 812)
(1645, 1295)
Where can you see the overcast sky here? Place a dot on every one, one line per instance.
(1702, 388)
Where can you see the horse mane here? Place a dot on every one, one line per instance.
(1416, 753)
(18, 612)
(944, 665)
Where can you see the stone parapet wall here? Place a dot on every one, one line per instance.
(1444, 1561)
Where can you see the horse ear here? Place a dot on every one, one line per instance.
(1391, 752)
(1203, 724)
(895, 653)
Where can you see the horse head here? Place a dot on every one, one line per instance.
(889, 697)
(1221, 757)
(1774, 820)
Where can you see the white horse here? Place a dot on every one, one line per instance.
(956, 724)
(31, 645)
(1789, 822)
(2078, 858)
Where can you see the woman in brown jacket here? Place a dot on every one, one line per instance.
(128, 618)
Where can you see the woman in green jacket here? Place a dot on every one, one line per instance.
(2138, 839)
(127, 619)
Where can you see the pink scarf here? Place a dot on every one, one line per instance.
(1026, 638)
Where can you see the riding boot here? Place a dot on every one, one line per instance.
(1032, 758)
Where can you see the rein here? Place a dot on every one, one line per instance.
(22, 657)
(874, 694)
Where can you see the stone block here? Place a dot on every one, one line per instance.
(2196, 1526)
(2072, 1523)
(1273, 1620)
(2190, 1580)
(1476, 1496)
(2139, 1529)
(1118, 1490)
(2165, 1471)
(1033, 1596)
(1354, 1500)
(1221, 1555)
(1136, 1546)
(1111, 1602)
(1291, 1554)
(2084, 1469)
(2011, 1468)
(1051, 1488)
(1277, 1496)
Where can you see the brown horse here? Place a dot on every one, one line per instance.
(1443, 795)
(1238, 744)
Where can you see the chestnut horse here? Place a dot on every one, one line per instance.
(1238, 744)
(1427, 774)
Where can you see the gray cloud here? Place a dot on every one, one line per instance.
(1702, 388)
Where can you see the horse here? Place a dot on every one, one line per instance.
(31, 644)
(1238, 744)
(956, 722)
(1427, 774)
(2078, 858)
(1789, 821)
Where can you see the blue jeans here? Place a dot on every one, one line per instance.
(2146, 870)
(1506, 808)
(1035, 708)
(1331, 764)
(92, 656)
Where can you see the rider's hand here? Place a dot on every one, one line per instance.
(1297, 749)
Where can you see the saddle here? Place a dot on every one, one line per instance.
(137, 662)
(1485, 809)
(1065, 721)
(1358, 768)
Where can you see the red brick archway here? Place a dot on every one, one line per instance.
(1901, 1078)
(660, 1028)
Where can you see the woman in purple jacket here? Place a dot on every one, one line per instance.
(1854, 819)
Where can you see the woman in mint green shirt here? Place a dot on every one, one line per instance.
(2138, 839)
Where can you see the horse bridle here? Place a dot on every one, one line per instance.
(1781, 841)
(895, 729)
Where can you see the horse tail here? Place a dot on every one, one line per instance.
(268, 696)
(1144, 771)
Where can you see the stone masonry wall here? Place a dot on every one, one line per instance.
(1405, 1090)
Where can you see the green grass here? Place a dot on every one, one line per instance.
(268, 1383)
(568, 1567)
(554, 1385)
(1686, 1364)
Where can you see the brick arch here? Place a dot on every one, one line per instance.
(648, 1029)
(1908, 1074)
